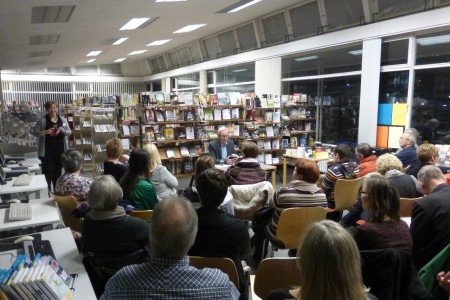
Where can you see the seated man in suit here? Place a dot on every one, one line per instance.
(408, 155)
(168, 274)
(222, 148)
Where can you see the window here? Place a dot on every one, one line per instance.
(211, 47)
(186, 81)
(111, 69)
(301, 13)
(393, 87)
(173, 58)
(394, 52)
(86, 70)
(343, 14)
(433, 48)
(275, 29)
(393, 8)
(236, 74)
(227, 43)
(247, 37)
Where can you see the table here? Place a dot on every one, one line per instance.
(321, 162)
(68, 257)
(44, 212)
(37, 184)
(34, 168)
(265, 167)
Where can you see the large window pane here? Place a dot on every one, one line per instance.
(433, 48)
(326, 62)
(431, 105)
(275, 28)
(188, 80)
(393, 87)
(343, 14)
(299, 14)
(236, 74)
(211, 48)
(247, 37)
(243, 88)
(393, 8)
(394, 53)
(338, 100)
(227, 43)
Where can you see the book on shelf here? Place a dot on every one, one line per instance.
(189, 114)
(261, 158)
(302, 113)
(125, 144)
(276, 101)
(263, 102)
(172, 100)
(180, 133)
(269, 131)
(217, 114)
(260, 144)
(212, 135)
(184, 151)
(276, 117)
(285, 142)
(193, 152)
(262, 131)
(226, 114)
(257, 101)
(213, 100)
(235, 113)
(187, 167)
(209, 114)
(187, 98)
(270, 102)
(171, 115)
(223, 98)
(233, 129)
(159, 97)
(149, 133)
(149, 115)
(267, 145)
(170, 153)
(200, 112)
(275, 160)
(134, 128)
(190, 134)
(201, 134)
(268, 158)
(201, 99)
(100, 147)
(235, 98)
(276, 144)
(206, 147)
(248, 102)
(293, 113)
(269, 116)
(169, 133)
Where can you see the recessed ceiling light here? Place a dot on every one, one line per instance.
(189, 28)
(355, 52)
(244, 6)
(120, 59)
(94, 53)
(312, 57)
(134, 23)
(91, 60)
(158, 43)
(120, 41)
(240, 70)
(137, 52)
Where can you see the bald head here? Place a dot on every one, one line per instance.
(173, 228)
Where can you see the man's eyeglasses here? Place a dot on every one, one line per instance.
(223, 136)
(361, 192)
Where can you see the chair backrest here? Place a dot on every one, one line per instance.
(406, 205)
(224, 264)
(405, 169)
(275, 273)
(346, 192)
(66, 205)
(145, 215)
(293, 223)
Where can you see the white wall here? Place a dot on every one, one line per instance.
(268, 76)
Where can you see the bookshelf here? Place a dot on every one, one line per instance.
(82, 134)
(103, 128)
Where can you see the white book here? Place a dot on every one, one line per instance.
(269, 131)
(226, 114)
(217, 114)
(267, 145)
(276, 144)
(275, 160)
(268, 159)
(261, 158)
(276, 101)
(269, 116)
(235, 113)
(126, 144)
(276, 117)
(190, 135)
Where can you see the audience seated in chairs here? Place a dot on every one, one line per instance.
(247, 169)
(116, 163)
(367, 160)
(342, 168)
(329, 266)
(427, 154)
(204, 162)
(111, 239)
(302, 192)
(384, 228)
(164, 182)
(136, 185)
(71, 183)
(219, 233)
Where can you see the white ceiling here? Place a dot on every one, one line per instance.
(95, 21)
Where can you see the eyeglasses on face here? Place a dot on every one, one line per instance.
(362, 192)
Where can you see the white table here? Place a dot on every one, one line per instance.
(37, 184)
(67, 255)
(44, 212)
(8, 170)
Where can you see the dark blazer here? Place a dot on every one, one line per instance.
(430, 225)
(408, 157)
(216, 151)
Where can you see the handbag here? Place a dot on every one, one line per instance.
(261, 218)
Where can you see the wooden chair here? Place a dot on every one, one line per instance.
(406, 205)
(346, 192)
(275, 273)
(224, 264)
(66, 205)
(405, 169)
(145, 215)
(291, 226)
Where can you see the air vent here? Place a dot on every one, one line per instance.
(39, 53)
(51, 14)
(44, 39)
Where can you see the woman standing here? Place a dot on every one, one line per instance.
(52, 131)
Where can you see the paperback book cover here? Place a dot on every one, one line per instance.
(209, 114)
(226, 114)
(190, 135)
(213, 100)
(235, 113)
(184, 151)
(159, 115)
(169, 133)
(217, 114)
(223, 98)
(180, 133)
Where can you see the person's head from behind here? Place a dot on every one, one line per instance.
(363, 150)
(154, 154)
(212, 188)
(139, 163)
(329, 264)
(114, 148)
(250, 149)
(429, 177)
(387, 162)
(72, 161)
(173, 228)
(203, 162)
(104, 193)
(427, 153)
(342, 153)
(306, 170)
(407, 139)
(380, 198)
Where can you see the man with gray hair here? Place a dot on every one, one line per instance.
(222, 148)
(408, 155)
(430, 222)
(168, 274)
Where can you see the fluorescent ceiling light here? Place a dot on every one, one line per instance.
(244, 6)
(91, 60)
(312, 57)
(189, 28)
(134, 23)
(434, 40)
(120, 59)
(170, 1)
(94, 53)
(240, 70)
(355, 52)
(137, 52)
(120, 41)
(158, 43)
